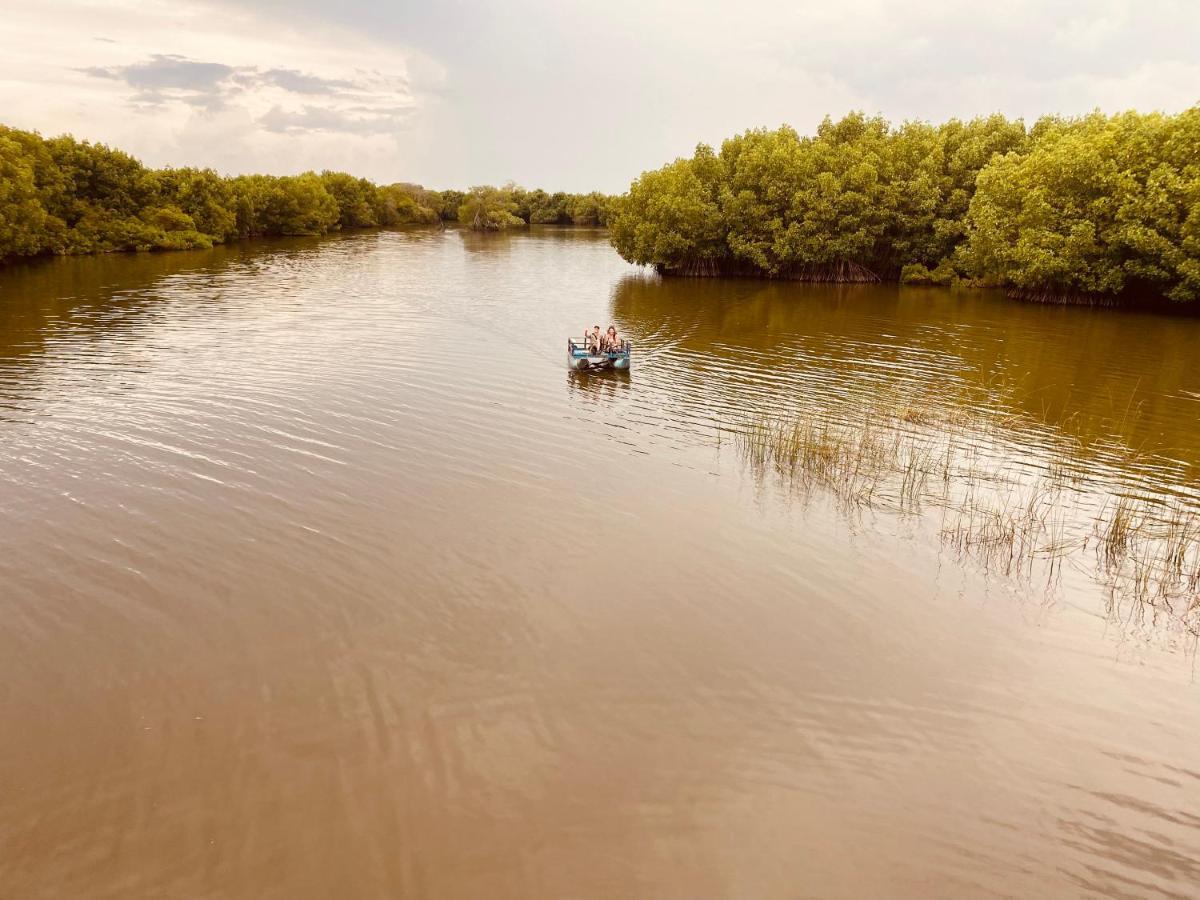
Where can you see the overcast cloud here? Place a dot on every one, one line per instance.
(567, 96)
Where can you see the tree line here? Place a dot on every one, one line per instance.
(1097, 208)
(64, 196)
(490, 208)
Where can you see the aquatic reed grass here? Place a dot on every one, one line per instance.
(1009, 517)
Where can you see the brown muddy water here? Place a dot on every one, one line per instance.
(321, 577)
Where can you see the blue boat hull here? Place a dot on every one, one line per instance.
(580, 360)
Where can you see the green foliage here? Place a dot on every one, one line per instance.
(355, 198)
(406, 204)
(24, 222)
(549, 209)
(1096, 206)
(588, 209)
(299, 205)
(67, 196)
(1090, 208)
(450, 202)
(858, 196)
(204, 196)
(540, 208)
(536, 207)
(916, 273)
(487, 208)
(672, 216)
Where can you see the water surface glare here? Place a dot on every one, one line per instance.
(321, 576)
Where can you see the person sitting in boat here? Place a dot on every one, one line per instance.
(595, 340)
(613, 343)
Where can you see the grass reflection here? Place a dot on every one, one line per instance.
(956, 469)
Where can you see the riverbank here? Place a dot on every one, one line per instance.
(1098, 210)
(849, 274)
(67, 197)
(852, 275)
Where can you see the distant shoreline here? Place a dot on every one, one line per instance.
(11, 261)
(68, 197)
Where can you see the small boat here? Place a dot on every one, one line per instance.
(581, 359)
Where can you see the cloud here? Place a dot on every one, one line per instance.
(165, 78)
(356, 120)
(361, 105)
(583, 95)
(179, 82)
(171, 78)
(303, 83)
(565, 95)
(167, 72)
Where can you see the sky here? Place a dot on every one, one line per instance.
(563, 95)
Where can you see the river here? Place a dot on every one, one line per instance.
(321, 576)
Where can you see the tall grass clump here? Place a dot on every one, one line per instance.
(994, 506)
